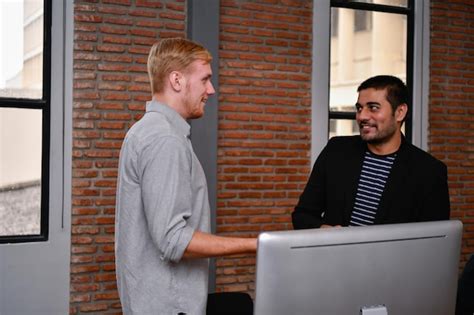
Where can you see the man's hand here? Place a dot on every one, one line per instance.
(325, 226)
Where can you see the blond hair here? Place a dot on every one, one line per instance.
(172, 54)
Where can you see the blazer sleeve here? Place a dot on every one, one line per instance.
(310, 209)
(435, 203)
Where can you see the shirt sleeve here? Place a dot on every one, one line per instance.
(166, 195)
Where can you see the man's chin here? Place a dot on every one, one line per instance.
(197, 115)
(370, 138)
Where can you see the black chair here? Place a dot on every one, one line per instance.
(229, 303)
(465, 297)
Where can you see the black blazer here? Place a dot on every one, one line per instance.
(416, 190)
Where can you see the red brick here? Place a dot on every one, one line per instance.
(105, 296)
(93, 307)
(142, 13)
(80, 298)
(172, 16)
(89, 18)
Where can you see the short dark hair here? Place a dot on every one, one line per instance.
(397, 91)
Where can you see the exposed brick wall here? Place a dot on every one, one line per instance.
(264, 122)
(451, 111)
(111, 43)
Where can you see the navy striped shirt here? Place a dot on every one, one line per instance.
(372, 180)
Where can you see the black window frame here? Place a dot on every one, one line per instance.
(409, 12)
(43, 104)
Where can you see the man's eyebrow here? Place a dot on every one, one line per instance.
(373, 103)
(368, 103)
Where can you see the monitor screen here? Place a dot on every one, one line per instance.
(391, 269)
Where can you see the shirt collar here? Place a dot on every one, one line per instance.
(175, 119)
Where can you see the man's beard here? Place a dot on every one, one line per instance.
(194, 110)
(380, 136)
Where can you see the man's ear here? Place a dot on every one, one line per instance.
(401, 112)
(176, 80)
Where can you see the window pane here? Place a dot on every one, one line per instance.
(343, 127)
(21, 48)
(362, 21)
(334, 22)
(396, 3)
(358, 53)
(20, 171)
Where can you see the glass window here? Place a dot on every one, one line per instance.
(24, 121)
(397, 3)
(21, 53)
(20, 171)
(334, 22)
(362, 21)
(368, 43)
(343, 127)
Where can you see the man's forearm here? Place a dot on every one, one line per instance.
(208, 245)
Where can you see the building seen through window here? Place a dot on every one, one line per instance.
(22, 109)
(364, 43)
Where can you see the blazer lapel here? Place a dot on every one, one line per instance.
(354, 167)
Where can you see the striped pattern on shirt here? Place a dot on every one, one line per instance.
(373, 177)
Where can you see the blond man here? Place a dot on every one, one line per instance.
(162, 226)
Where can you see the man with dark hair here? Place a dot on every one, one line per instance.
(376, 177)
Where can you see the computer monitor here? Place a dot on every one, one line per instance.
(396, 269)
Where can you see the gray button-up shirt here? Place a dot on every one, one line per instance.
(161, 200)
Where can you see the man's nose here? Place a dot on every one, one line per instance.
(210, 89)
(363, 114)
